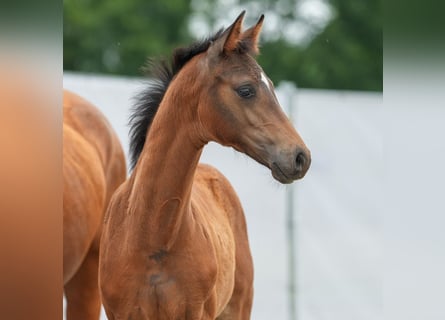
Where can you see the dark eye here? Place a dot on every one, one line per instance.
(246, 91)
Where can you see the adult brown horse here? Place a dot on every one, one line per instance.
(174, 244)
(93, 167)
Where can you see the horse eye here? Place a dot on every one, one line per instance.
(245, 92)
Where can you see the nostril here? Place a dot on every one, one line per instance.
(300, 161)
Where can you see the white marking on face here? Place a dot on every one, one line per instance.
(264, 79)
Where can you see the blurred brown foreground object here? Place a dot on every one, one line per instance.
(30, 191)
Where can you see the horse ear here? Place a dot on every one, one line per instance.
(251, 36)
(230, 38)
(233, 34)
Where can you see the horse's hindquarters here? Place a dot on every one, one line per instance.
(83, 199)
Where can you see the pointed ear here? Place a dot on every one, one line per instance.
(251, 36)
(229, 39)
(233, 34)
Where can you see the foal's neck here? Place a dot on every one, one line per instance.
(163, 177)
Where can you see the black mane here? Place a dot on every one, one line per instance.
(148, 101)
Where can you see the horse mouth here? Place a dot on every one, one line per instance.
(277, 172)
(279, 175)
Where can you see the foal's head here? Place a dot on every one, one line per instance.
(217, 86)
(238, 106)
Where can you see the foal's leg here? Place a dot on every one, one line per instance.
(82, 291)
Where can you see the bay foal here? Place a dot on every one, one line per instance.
(93, 167)
(174, 244)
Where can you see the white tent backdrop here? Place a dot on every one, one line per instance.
(337, 217)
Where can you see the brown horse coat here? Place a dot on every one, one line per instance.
(93, 167)
(174, 244)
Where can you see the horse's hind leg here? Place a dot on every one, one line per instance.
(82, 291)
